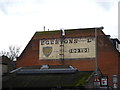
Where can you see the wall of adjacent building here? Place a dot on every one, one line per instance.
(7, 64)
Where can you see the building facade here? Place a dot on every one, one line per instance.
(7, 65)
(77, 47)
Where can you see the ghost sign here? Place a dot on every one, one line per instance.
(74, 48)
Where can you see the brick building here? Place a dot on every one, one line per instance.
(76, 48)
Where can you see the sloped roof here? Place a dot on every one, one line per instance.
(115, 39)
(77, 79)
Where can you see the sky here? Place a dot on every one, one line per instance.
(20, 19)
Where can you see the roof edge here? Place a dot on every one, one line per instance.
(72, 29)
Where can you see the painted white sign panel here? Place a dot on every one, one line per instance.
(72, 48)
(104, 81)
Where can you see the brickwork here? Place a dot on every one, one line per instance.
(108, 56)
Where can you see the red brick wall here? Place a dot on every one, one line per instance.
(30, 55)
(119, 70)
(108, 58)
(107, 54)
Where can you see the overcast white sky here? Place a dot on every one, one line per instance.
(20, 19)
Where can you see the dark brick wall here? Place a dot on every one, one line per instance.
(108, 56)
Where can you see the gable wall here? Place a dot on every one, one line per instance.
(108, 57)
